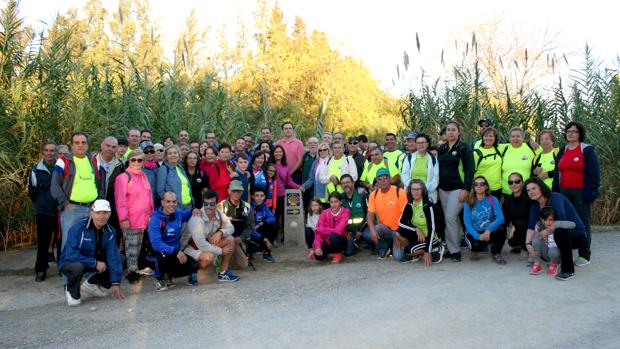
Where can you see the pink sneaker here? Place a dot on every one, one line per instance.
(552, 269)
(536, 269)
(311, 256)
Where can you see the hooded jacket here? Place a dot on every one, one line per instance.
(165, 230)
(591, 173)
(64, 175)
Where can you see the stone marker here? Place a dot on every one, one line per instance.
(294, 227)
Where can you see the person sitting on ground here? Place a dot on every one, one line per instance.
(358, 206)
(312, 218)
(387, 202)
(264, 233)
(483, 218)
(330, 236)
(209, 235)
(91, 252)
(239, 213)
(165, 229)
(416, 228)
(544, 243)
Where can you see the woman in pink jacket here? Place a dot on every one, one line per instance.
(134, 205)
(331, 231)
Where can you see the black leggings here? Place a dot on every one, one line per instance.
(496, 243)
(74, 272)
(47, 229)
(337, 244)
(518, 237)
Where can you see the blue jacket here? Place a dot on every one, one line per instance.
(485, 215)
(262, 214)
(564, 211)
(168, 180)
(320, 189)
(165, 230)
(152, 176)
(81, 246)
(591, 173)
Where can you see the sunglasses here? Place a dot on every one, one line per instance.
(209, 203)
(352, 143)
(149, 152)
(159, 151)
(136, 160)
(516, 181)
(479, 184)
(320, 150)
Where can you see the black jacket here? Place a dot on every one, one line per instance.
(39, 182)
(449, 160)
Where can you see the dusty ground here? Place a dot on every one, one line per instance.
(360, 303)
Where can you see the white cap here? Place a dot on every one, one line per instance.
(101, 205)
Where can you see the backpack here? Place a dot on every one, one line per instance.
(536, 161)
(482, 157)
(398, 189)
(385, 162)
(528, 145)
(433, 158)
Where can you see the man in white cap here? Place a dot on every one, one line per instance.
(91, 252)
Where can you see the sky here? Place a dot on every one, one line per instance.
(379, 32)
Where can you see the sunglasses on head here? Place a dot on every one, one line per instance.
(136, 160)
(516, 181)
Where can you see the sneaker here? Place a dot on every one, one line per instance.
(72, 302)
(564, 276)
(146, 271)
(192, 279)
(384, 254)
(499, 259)
(455, 257)
(311, 256)
(40, 276)
(337, 259)
(581, 262)
(133, 277)
(160, 285)
(170, 283)
(552, 269)
(51, 259)
(267, 257)
(406, 259)
(536, 269)
(93, 290)
(436, 257)
(474, 256)
(464, 243)
(227, 276)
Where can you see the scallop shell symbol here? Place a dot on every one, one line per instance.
(293, 200)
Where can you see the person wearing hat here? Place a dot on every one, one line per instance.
(150, 166)
(91, 253)
(238, 211)
(354, 153)
(386, 204)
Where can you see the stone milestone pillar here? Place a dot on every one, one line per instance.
(294, 227)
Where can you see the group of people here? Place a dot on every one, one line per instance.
(170, 209)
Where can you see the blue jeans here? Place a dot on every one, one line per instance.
(70, 215)
(387, 237)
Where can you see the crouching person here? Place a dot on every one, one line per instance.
(165, 231)
(331, 230)
(416, 229)
(264, 234)
(211, 235)
(91, 253)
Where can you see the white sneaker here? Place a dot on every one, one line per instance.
(146, 271)
(93, 290)
(72, 302)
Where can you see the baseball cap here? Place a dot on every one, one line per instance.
(383, 172)
(146, 144)
(101, 205)
(487, 120)
(235, 185)
(411, 135)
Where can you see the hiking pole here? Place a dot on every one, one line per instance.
(247, 257)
